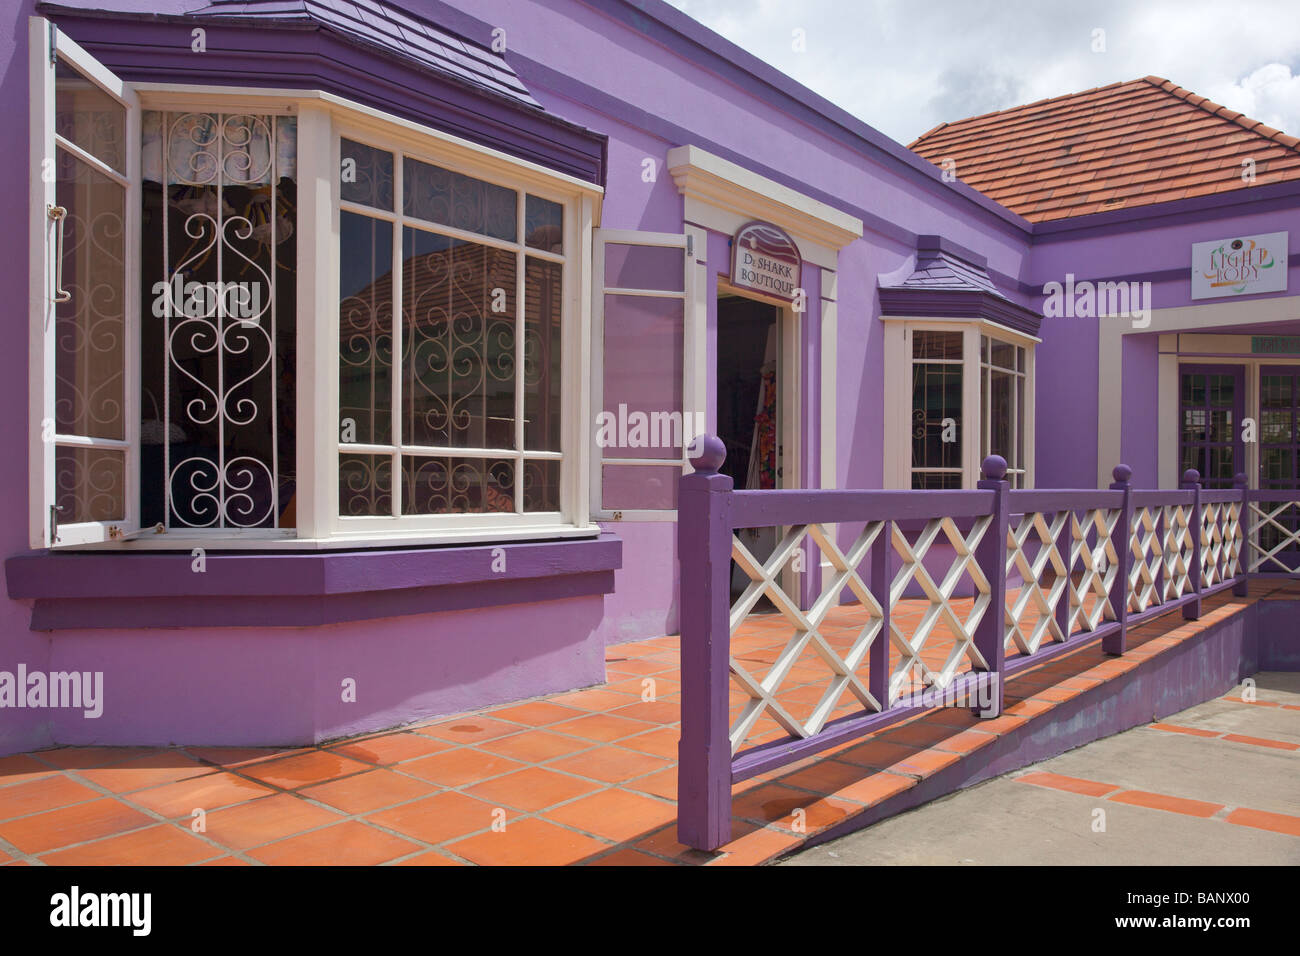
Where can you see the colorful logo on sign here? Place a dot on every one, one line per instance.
(765, 259)
(1240, 266)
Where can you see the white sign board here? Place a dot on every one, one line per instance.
(1243, 265)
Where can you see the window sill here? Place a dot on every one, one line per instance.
(271, 589)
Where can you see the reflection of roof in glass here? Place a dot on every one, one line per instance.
(384, 25)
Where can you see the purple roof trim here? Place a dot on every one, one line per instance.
(305, 53)
(950, 282)
(153, 589)
(389, 27)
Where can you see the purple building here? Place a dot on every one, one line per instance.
(366, 345)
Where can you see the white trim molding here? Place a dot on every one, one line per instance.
(722, 196)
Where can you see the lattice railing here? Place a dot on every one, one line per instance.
(1275, 533)
(954, 590)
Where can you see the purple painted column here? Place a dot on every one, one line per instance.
(1192, 482)
(704, 554)
(1242, 587)
(1116, 642)
(991, 555)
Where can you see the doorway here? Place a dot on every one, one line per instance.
(752, 410)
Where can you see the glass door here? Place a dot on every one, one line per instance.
(1210, 410)
(1279, 465)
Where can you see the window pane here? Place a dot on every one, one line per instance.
(1004, 355)
(1193, 389)
(366, 175)
(544, 224)
(1001, 415)
(541, 486)
(458, 327)
(433, 486)
(643, 379)
(89, 484)
(936, 345)
(462, 202)
(89, 118)
(659, 268)
(1222, 388)
(543, 401)
(936, 480)
(652, 487)
(90, 326)
(365, 485)
(936, 415)
(365, 330)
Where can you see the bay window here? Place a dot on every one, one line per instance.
(963, 391)
(279, 321)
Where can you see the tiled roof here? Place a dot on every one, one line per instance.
(938, 269)
(1118, 146)
(392, 28)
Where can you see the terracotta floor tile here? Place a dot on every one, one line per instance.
(924, 763)
(1193, 731)
(531, 790)
(163, 845)
(225, 861)
(75, 824)
(265, 820)
(314, 766)
(594, 699)
(602, 727)
(83, 758)
(432, 858)
(1028, 708)
(616, 815)
(391, 748)
(654, 687)
(654, 711)
(1160, 801)
(877, 788)
(825, 776)
(47, 793)
(457, 767)
(918, 733)
(968, 741)
(207, 793)
(757, 847)
(1055, 781)
(150, 771)
(535, 746)
(528, 842)
(365, 792)
(350, 843)
(230, 757)
(661, 742)
(469, 729)
(629, 857)
(1263, 820)
(878, 754)
(20, 768)
(610, 764)
(661, 784)
(537, 713)
(637, 668)
(438, 818)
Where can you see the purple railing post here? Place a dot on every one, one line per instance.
(704, 556)
(1192, 482)
(1242, 586)
(1117, 641)
(991, 555)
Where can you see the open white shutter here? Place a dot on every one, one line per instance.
(648, 375)
(84, 415)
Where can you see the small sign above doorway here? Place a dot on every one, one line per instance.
(1241, 266)
(765, 259)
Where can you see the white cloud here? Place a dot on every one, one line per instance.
(904, 67)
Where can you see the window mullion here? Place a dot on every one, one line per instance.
(521, 323)
(399, 271)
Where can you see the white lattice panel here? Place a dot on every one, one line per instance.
(1269, 515)
(1147, 547)
(1177, 544)
(1034, 607)
(1098, 562)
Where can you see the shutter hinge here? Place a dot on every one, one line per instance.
(54, 44)
(54, 523)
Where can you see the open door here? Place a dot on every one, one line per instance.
(648, 376)
(84, 418)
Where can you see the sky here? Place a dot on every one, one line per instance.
(905, 66)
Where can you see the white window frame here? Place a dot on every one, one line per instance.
(323, 119)
(897, 397)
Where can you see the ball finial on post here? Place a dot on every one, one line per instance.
(707, 453)
(994, 468)
(1191, 477)
(1121, 473)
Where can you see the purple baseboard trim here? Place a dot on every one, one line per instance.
(113, 590)
(1198, 669)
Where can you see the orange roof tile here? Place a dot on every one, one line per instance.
(1119, 146)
